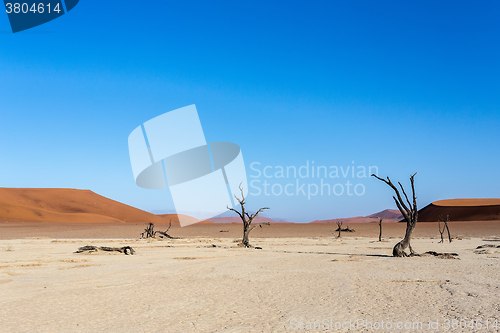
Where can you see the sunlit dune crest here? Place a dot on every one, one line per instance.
(467, 202)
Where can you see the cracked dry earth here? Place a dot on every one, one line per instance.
(188, 285)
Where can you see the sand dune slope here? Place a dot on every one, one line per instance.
(66, 205)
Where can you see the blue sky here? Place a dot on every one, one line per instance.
(404, 86)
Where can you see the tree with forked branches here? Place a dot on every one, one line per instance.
(339, 227)
(410, 214)
(444, 227)
(247, 219)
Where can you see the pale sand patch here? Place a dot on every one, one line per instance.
(186, 285)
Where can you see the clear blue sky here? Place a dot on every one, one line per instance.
(405, 86)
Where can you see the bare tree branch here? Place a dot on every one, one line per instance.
(388, 182)
(407, 201)
(259, 225)
(255, 215)
(234, 210)
(403, 212)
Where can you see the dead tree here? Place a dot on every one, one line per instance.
(441, 231)
(410, 214)
(445, 226)
(339, 228)
(380, 229)
(149, 231)
(247, 219)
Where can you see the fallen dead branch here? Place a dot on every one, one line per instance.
(346, 229)
(484, 249)
(440, 255)
(487, 245)
(92, 249)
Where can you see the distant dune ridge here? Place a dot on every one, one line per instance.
(237, 219)
(85, 206)
(166, 218)
(389, 215)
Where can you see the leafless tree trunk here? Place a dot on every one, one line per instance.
(380, 229)
(445, 226)
(448, 229)
(247, 219)
(410, 214)
(441, 231)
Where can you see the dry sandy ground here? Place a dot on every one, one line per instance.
(188, 285)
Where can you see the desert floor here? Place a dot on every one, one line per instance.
(207, 284)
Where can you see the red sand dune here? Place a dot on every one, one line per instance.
(66, 205)
(461, 210)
